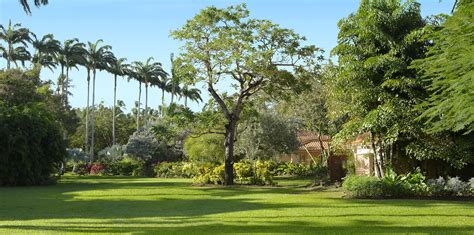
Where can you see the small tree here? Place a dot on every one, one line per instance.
(267, 136)
(251, 54)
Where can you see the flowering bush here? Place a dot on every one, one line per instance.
(97, 168)
(408, 185)
(456, 187)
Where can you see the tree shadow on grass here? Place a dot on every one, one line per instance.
(205, 227)
(197, 209)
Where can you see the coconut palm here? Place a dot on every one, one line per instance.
(193, 94)
(99, 57)
(71, 54)
(26, 4)
(118, 68)
(17, 39)
(147, 72)
(46, 49)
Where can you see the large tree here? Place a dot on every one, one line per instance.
(147, 72)
(118, 68)
(46, 49)
(449, 70)
(252, 54)
(376, 89)
(17, 39)
(100, 57)
(71, 53)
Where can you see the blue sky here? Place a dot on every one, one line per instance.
(138, 29)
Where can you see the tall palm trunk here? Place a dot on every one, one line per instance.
(66, 84)
(138, 109)
(9, 55)
(113, 109)
(172, 95)
(145, 118)
(185, 101)
(86, 141)
(59, 89)
(93, 111)
(162, 102)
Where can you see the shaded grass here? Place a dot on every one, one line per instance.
(145, 205)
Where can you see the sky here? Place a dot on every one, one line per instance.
(138, 29)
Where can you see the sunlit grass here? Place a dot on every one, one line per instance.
(136, 205)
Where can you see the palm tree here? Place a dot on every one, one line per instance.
(118, 68)
(174, 81)
(71, 53)
(193, 94)
(14, 35)
(26, 5)
(165, 85)
(147, 72)
(99, 57)
(46, 49)
(88, 65)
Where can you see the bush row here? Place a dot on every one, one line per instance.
(124, 168)
(407, 185)
(246, 172)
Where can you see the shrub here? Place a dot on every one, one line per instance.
(263, 175)
(456, 187)
(243, 171)
(205, 148)
(169, 169)
(319, 172)
(32, 146)
(416, 182)
(97, 169)
(436, 186)
(363, 186)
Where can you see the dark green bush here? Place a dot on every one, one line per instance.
(363, 186)
(31, 146)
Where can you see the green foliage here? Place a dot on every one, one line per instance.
(449, 73)
(253, 173)
(363, 186)
(124, 127)
(413, 184)
(32, 136)
(267, 136)
(205, 148)
(32, 145)
(143, 145)
(303, 170)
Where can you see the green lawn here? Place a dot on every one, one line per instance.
(137, 205)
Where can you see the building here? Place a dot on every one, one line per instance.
(309, 152)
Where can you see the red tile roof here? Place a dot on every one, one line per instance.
(310, 140)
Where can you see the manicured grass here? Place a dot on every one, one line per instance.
(146, 205)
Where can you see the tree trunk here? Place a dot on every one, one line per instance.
(86, 141)
(185, 101)
(162, 110)
(145, 117)
(113, 109)
(172, 94)
(93, 111)
(229, 151)
(138, 108)
(9, 55)
(377, 169)
(59, 89)
(66, 87)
